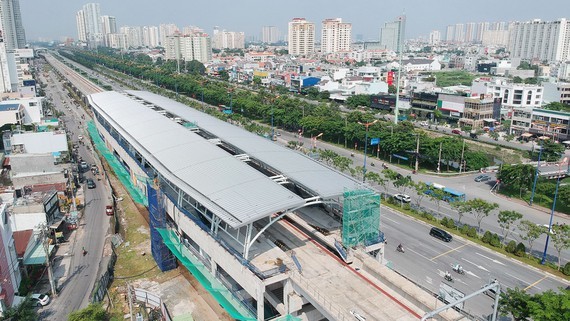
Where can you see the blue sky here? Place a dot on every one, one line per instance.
(55, 19)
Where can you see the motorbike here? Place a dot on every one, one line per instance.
(351, 154)
(372, 164)
(448, 277)
(384, 166)
(400, 248)
(458, 269)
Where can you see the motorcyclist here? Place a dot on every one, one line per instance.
(447, 276)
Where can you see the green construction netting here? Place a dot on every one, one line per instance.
(360, 218)
(287, 317)
(224, 297)
(120, 171)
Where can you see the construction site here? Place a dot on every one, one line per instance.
(269, 232)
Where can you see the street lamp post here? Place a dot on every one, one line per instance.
(391, 135)
(366, 125)
(535, 176)
(564, 161)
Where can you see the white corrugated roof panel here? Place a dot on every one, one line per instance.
(305, 171)
(234, 191)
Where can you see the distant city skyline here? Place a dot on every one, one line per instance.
(367, 17)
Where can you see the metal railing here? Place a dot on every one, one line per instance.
(331, 308)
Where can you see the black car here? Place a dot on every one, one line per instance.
(90, 183)
(440, 234)
(482, 178)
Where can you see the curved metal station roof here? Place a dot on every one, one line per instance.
(314, 176)
(231, 189)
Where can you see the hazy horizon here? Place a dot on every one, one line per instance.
(250, 15)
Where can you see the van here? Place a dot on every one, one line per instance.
(440, 234)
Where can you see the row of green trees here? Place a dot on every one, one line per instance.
(543, 306)
(294, 114)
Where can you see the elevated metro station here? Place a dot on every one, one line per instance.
(268, 231)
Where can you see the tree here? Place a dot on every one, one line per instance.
(506, 219)
(560, 238)
(551, 151)
(402, 183)
(515, 303)
(461, 208)
(519, 176)
(392, 89)
(421, 189)
(550, 306)
(93, 312)
(480, 209)
(557, 106)
(529, 232)
(22, 312)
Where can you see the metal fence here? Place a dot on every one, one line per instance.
(101, 285)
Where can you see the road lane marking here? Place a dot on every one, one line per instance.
(516, 278)
(490, 259)
(479, 266)
(447, 252)
(391, 220)
(425, 257)
(535, 283)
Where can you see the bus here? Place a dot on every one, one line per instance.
(449, 195)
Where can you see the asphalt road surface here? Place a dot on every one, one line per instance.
(75, 291)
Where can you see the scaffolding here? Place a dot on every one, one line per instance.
(157, 220)
(361, 218)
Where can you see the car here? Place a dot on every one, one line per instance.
(546, 229)
(456, 131)
(109, 210)
(91, 183)
(403, 198)
(80, 137)
(482, 178)
(440, 234)
(39, 300)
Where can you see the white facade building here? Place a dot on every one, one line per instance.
(434, 37)
(335, 35)
(222, 39)
(90, 24)
(165, 30)
(150, 36)
(269, 34)
(301, 37)
(543, 40)
(189, 47)
(12, 27)
(393, 33)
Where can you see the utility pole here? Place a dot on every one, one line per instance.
(439, 159)
(44, 233)
(417, 153)
(462, 153)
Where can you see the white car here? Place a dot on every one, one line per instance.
(40, 300)
(403, 198)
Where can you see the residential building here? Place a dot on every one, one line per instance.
(117, 41)
(10, 277)
(434, 37)
(11, 113)
(165, 30)
(134, 36)
(495, 38)
(89, 22)
(481, 28)
(189, 47)
(550, 123)
(417, 64)
(393, 33)
(222, 39)
(450, 34)
(108, 24)
(542, 40)
(150, 36)
(459, 36)
(33, 209)
(5, 81)
(301, 37)
(479, 112)
(12, 28)
(269, 34)
(470, 32)
(556, 92)
(54, 142)
(335, 36)
(81, 27)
